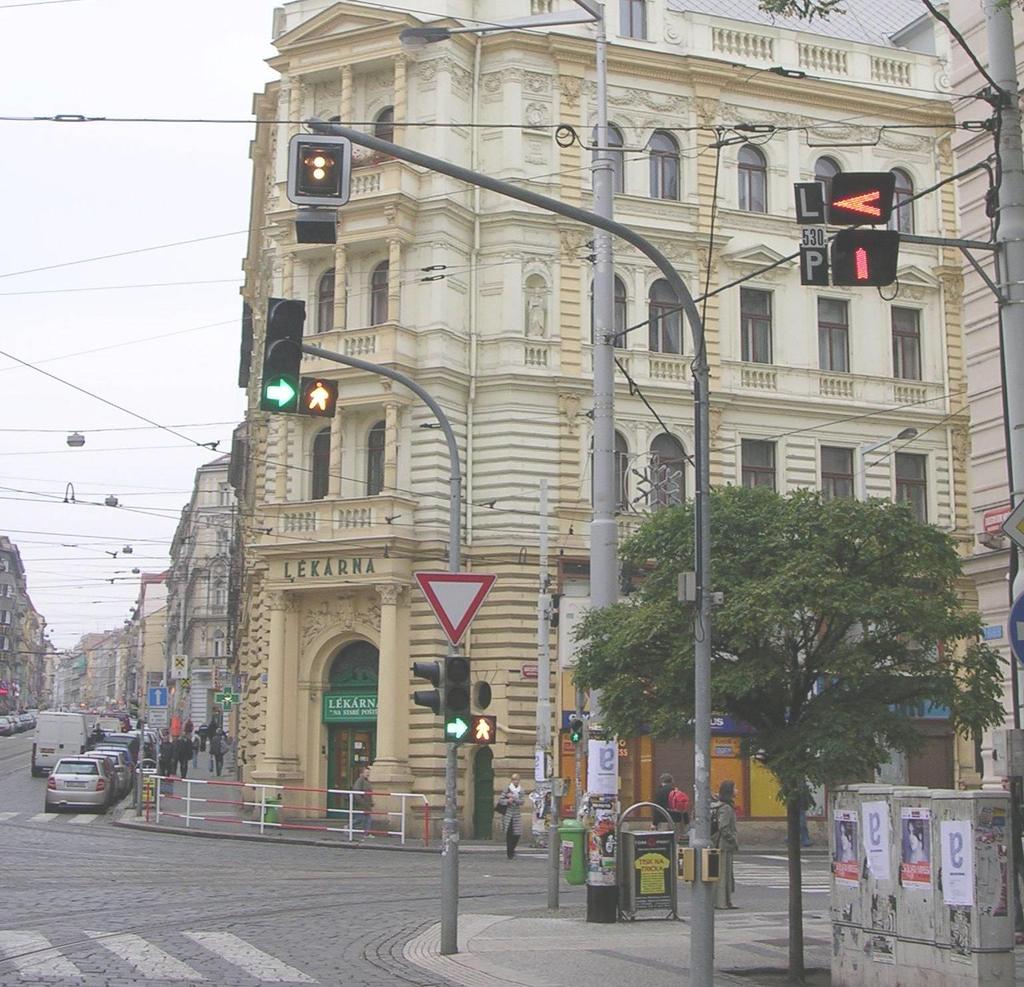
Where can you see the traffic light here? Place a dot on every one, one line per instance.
(456, 697)
(865, 257)
(861, 197)
(433, 672)
(318, 397)
(576, 729)
(482, 728)
(319, 170)
(280, 382)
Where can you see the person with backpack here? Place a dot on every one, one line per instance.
(675, 802)
(723, 836)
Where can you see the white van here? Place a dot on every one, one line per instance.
(57, 735)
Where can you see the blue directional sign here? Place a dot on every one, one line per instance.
(1016, 628)
(156, 697)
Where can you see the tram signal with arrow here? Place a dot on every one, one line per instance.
(282, 355)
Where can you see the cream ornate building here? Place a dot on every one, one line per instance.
(486, 303)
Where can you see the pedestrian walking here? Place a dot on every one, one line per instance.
(166, 756)
(805, 804)
(183, 754)
(675, 802)
(723, 836)
(512, 821)
(363, 802)
(189, 727)
(218, 747)
(194, 738)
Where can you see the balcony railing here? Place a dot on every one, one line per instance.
(338, 519)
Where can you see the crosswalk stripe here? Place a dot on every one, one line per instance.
(260, 965)
(151, 962)
(4, 816)
(33, 956)
(82, 819)
(43, 817)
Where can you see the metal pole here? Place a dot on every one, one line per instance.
(702, 910)
(542, 748)
(450, 825)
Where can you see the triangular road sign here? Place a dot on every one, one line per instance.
(1013, 526)
(455, 598)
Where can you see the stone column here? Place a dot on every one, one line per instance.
(278, 763)
(401, 103)
(390, 447)
(394, 278)
(334, 479)
(346, 95)
(391, 765)
(288, 275)
(280, 454)
(340, 285)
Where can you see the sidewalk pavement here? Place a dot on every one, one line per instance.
(543, 950)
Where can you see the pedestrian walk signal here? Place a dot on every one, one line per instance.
(861, 197)
(319, 397)
(865, 258)
(482, 729)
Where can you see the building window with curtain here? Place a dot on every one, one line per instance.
(756, 325)
(384, 125)
(757, 459)
(825, 169)
(752, 171)
(902, 218)
(615, 152)
(633, 19)
(218, 644)
(668, 475)
(618, 312)
(375, 459)
(664, 153)
(321, 464)
(836, 472)
(665, 331)
(833, 335)
(379, 294)
(912, 483)
(906, 343)
(621, 466)
(325, 302)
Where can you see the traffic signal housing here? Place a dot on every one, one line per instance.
(433, 672)
(279, 386)
(576, 729)
(456, 697)
(865, 258)
(861, 197)
(319, 170)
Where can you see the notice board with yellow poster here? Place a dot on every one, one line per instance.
(648, 874)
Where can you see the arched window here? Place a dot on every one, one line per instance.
(665, 327)
(321, 464)
(825, 169)
(668, 477)
(379, 294)
(375, 460)
(618, 310)
(752, 171)
(218, 643)
(902, 218)
(618, 160)
(664, 166)
(325, 302)
(384, 124)
(621, 466)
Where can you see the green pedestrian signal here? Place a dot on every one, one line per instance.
(282, 355)
(576, 729)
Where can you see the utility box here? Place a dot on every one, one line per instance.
(647, 874)
(572, 836)
(916, 871)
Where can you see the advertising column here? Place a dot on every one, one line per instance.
(602, 784)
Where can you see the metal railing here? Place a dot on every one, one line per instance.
(267, 806)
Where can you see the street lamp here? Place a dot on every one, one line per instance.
(865, 450)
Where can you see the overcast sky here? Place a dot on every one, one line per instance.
(75, 191)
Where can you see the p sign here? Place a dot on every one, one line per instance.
(814, 265)
(877, 845)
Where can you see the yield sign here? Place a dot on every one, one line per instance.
(455, 598)
(1013, 526)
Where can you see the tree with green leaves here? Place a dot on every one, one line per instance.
(804, 9)
(837, 615)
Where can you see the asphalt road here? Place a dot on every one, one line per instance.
(85, 902)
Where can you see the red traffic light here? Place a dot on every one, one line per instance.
(861, 197)
(319, 397)
(865, 258)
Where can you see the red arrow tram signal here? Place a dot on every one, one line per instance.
(865, 258)
(861, 197)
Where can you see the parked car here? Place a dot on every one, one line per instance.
(79, 782)
(57, 735)
(8, 728)
(126, 741)
(26, 722)
(114, 770)
(125, 768)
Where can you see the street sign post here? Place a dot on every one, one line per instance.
(156, 717)
(156, 696)
(1015, 626)
(1013, 526)
(179, 667)
(455, 598)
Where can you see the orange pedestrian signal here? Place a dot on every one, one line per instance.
(482, 729)
(319, 397)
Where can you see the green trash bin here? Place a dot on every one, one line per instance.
(271, 811)
(572, 835)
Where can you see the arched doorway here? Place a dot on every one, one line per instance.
(350, 714)
(483, 794)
